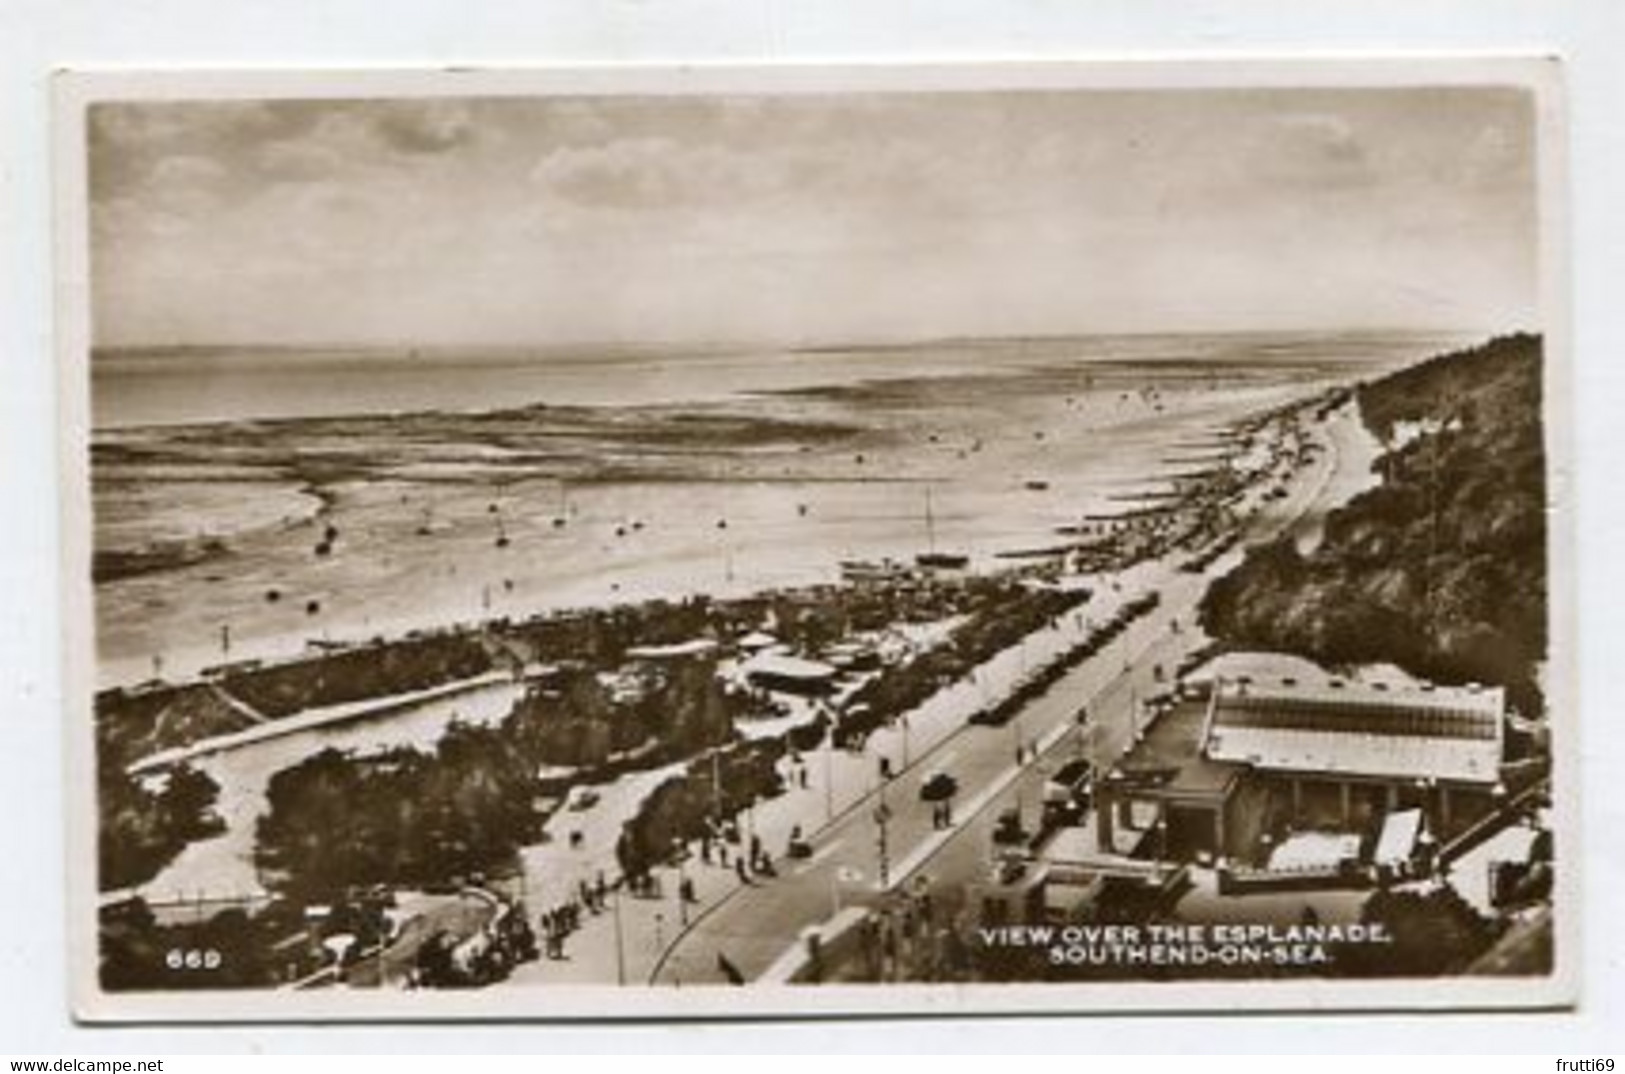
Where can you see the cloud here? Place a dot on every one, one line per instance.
(603, 217)
(423, 127)
(577, 122)
(187, 171)
(1312, 150)
(298, 161)
(633, 173)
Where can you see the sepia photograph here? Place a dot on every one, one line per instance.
(613, 543)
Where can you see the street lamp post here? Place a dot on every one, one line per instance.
(682, 882)
(716, 782)
(882, 816)
(829, 778)
(620, 940)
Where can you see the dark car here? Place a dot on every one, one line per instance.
(1066, 793)
(938, 787)
(997, 716)
(1008, 830)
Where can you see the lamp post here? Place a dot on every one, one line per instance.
(829, 779)
(682, 881)
(882, 817)
(620, 940)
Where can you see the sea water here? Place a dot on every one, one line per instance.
(985, 448)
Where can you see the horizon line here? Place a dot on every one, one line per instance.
(793, 346)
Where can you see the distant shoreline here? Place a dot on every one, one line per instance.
(136, 388)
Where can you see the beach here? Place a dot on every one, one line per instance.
(442, 517)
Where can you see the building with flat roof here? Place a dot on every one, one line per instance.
(1185, 804)
(1344, 753)
(790, 674)
(1229, 775)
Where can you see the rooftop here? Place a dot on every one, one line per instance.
(1172, 750)
(1337, 727)
(692, 647)
(782, 666)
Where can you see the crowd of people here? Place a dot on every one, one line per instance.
(558, 922)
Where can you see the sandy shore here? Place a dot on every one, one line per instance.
(1002, 475)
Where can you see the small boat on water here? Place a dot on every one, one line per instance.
(865, 570)
(1037, 486)
(932, 558)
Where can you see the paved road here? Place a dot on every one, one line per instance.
(755, 925)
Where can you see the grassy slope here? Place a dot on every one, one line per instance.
(1441, 569)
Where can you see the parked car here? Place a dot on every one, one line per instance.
(996, 716)
(1066, 793)
(1008, 830)
(938, 787)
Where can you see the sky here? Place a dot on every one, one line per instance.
(810, 218)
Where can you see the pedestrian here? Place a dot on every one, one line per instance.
(801, 775)
(739, 870)
(755, 849)
(601, 888)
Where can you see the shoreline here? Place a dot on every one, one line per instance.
(849, 508)
(1114, 536)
